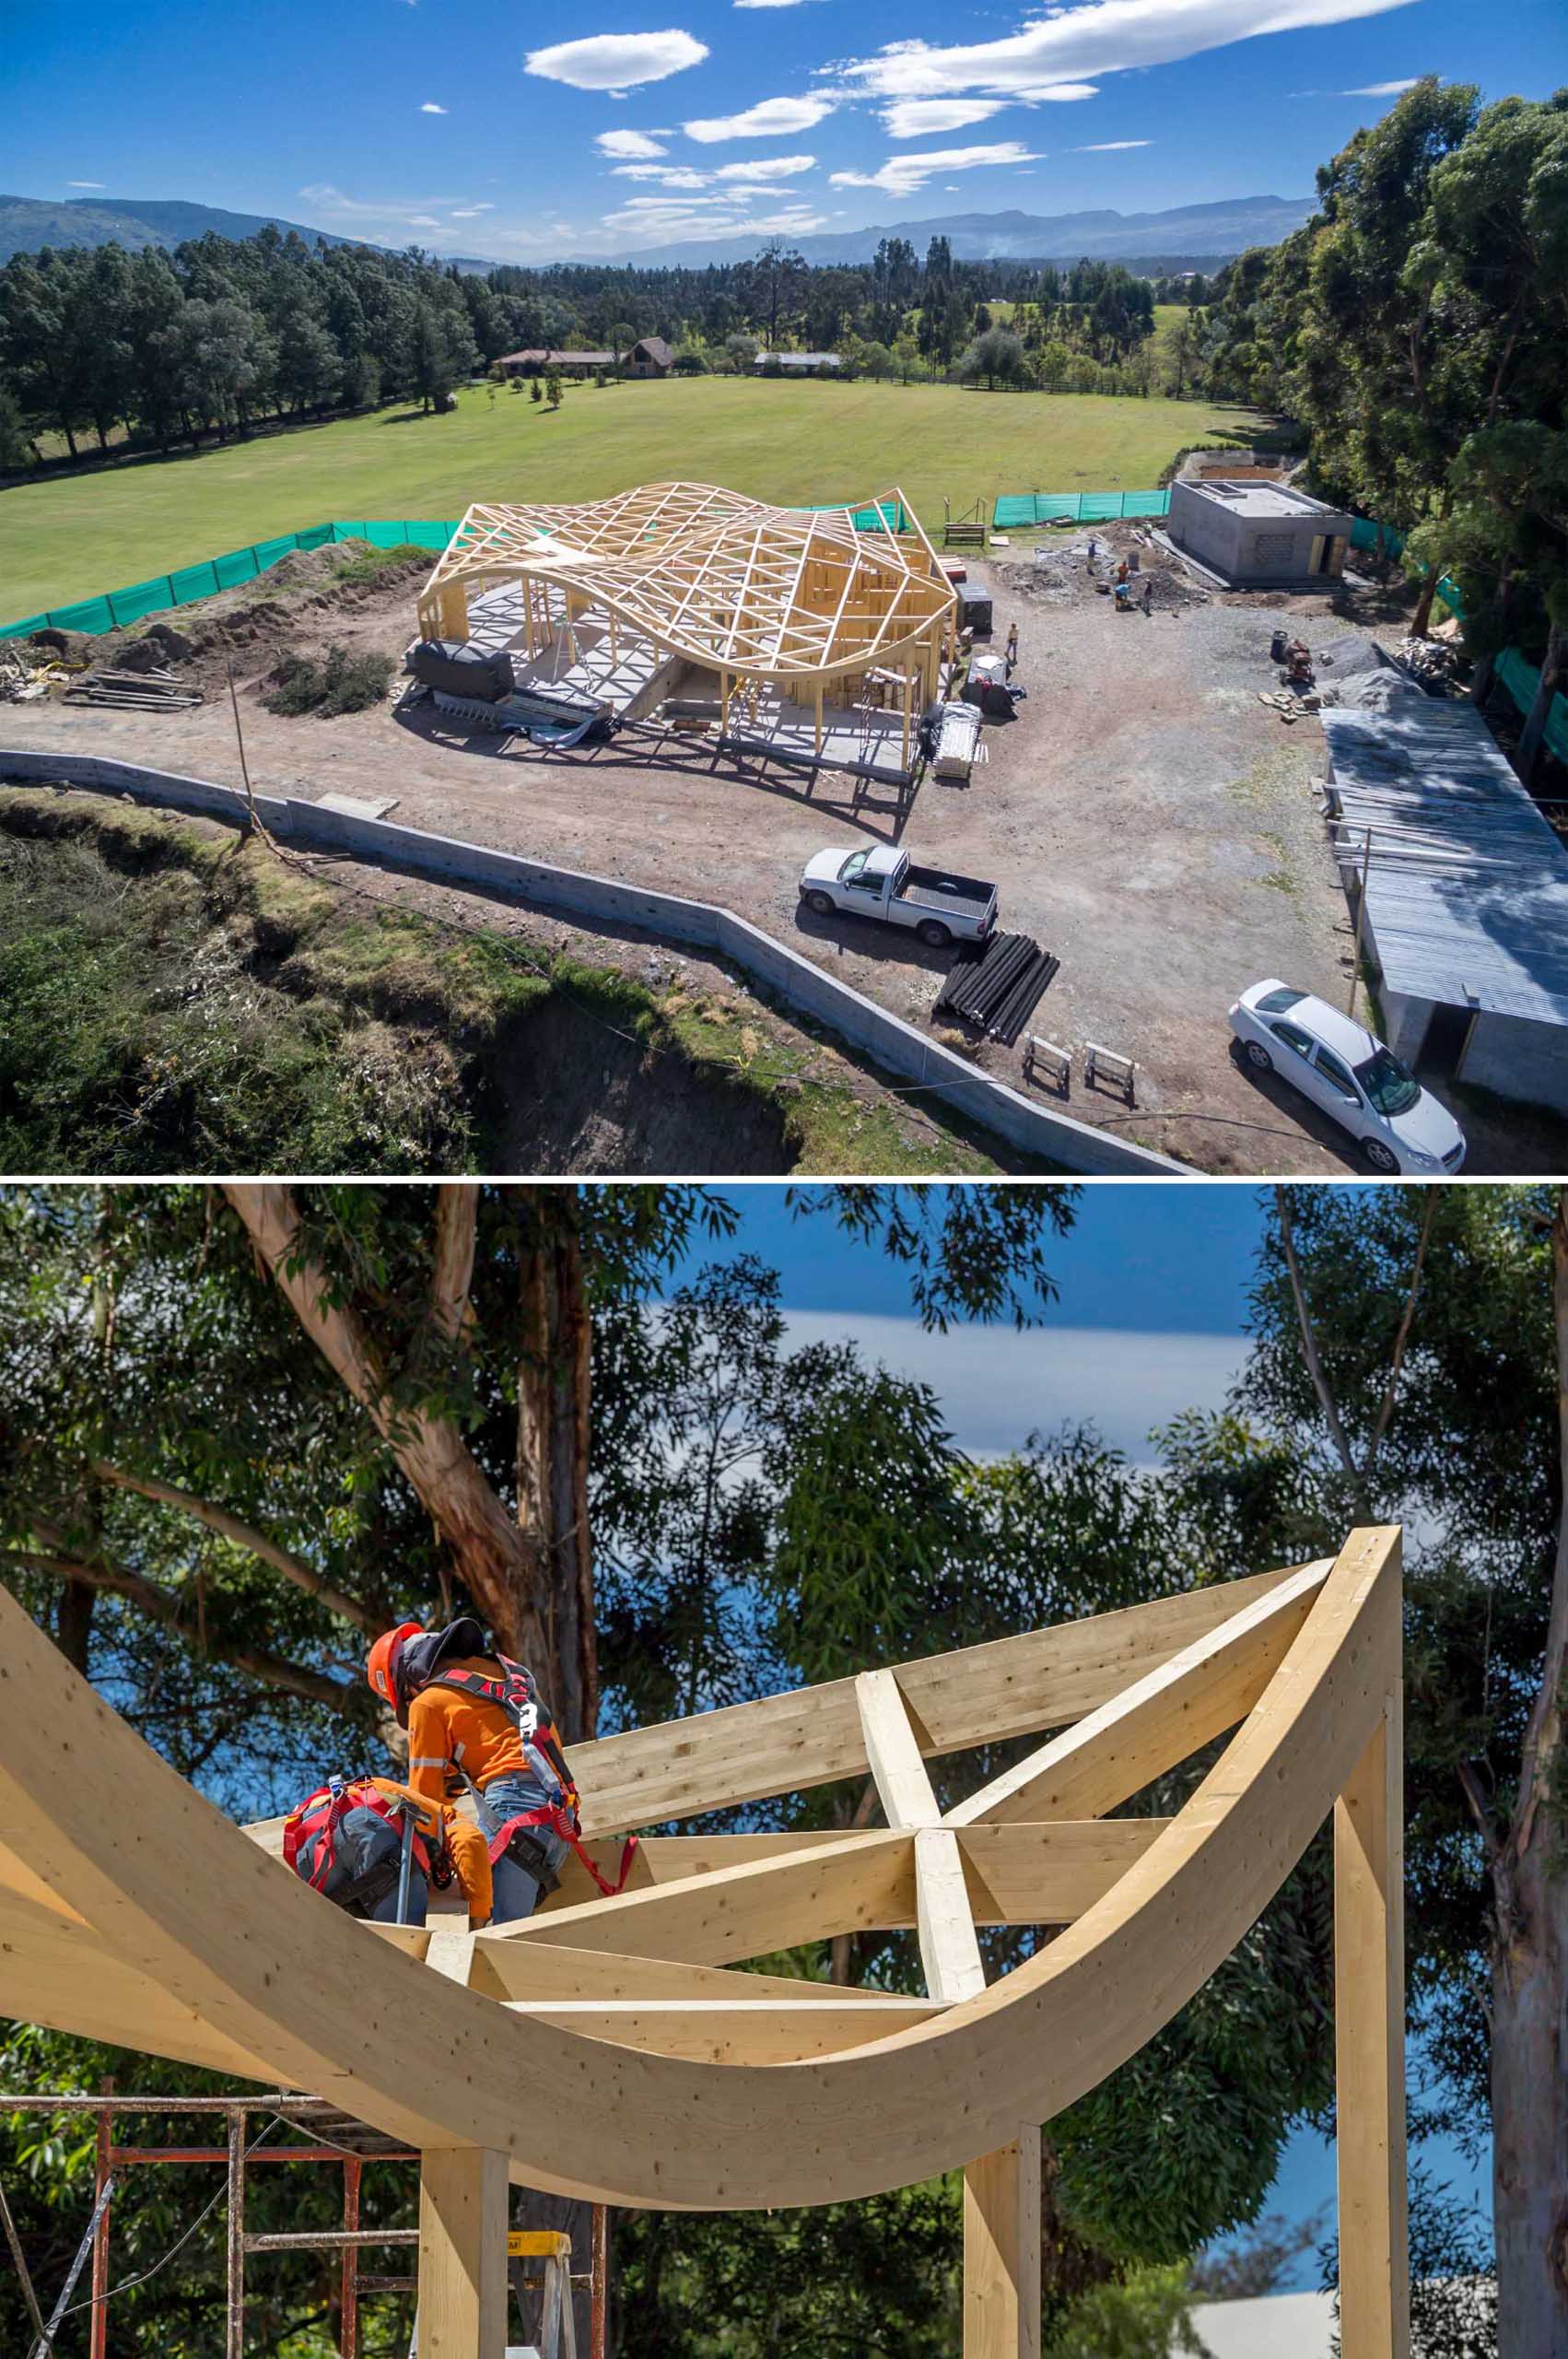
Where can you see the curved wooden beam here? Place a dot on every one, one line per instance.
(185, 1901)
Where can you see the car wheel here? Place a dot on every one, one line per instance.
(1258, 1056)
(822, 903)
(934, 933)
(1381, 1156)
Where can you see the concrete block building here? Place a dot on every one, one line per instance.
(1254, 534)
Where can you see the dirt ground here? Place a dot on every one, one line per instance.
(1146, 816)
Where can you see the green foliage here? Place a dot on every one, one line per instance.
(363, 566)
(1143, 2316)
(342, 682)
(135, 1035)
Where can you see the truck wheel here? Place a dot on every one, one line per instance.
(934, 933)
(821, 902)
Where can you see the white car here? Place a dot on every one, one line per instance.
(1348, 1071)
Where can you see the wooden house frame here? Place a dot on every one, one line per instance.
(795, 597)
(611, 2047)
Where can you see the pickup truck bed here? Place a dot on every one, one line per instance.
(944, 893)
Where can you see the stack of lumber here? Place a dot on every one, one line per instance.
(157, 691)
(998, 991)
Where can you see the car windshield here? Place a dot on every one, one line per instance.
(1390, 1086)
(852, 867)
(1280, 1002)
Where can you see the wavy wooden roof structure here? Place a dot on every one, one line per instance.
(789, 594)
(132, 1911)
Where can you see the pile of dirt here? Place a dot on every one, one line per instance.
(282, 603)
(1068, 572)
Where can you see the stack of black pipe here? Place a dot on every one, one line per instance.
(998, 991)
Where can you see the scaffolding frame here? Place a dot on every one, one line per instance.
(237, 2155)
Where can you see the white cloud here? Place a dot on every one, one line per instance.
(765, 3)
(469, 211)
(84, 184)
(430, 107)
(667, 176)
(413, 211)
(770, 119)
(772, 168)
(627, 143)
(617, 61)
(924, 118)
(1099, 37)
(1111, 147)
(997, 1386)
(1380, 89)
(423, 221)
(902, 175)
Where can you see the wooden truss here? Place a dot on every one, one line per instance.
(625, 2029)
(796, 596)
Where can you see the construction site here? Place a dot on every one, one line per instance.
(1078, 725)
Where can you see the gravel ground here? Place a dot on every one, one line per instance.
(1146, 816)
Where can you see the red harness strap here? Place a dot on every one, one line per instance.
(563, 1824)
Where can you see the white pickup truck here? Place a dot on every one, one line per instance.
(881, 882)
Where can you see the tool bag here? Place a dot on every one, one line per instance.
(316, 1821)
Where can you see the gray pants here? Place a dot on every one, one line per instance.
(517, 1892)
(365, 1845)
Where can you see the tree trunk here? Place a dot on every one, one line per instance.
(1541, 707)
(501, 1566)
(552, 1450)
(1530, 2028)
(1529, 2102)
(73, 1623)
(1422, 620)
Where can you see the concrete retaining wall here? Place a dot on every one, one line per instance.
(897, 1046)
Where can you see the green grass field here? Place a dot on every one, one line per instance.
(795, 443)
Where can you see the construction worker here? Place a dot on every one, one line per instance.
(1011, 658)
(347, 1839)
(475, 1720)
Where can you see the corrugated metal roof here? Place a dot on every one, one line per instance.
(1468, 893)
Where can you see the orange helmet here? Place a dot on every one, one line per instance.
(382, 1668)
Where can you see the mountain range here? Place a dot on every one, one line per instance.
(1189, 237)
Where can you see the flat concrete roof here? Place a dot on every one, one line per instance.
(1257, 498)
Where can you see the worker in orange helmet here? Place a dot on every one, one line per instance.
(475, 1719)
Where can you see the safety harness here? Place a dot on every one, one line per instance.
(316, 1821)
(516, 1692)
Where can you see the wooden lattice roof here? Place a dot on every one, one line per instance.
(792, 593)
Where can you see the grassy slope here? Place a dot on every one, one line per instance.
(796, 443)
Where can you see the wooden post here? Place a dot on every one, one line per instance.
(1001, 2252)
(819, 713)
(462, 2253)
(1369, 2009)
(908, 684)
(1361, 922)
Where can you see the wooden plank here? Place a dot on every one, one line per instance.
(462, 2253)
(1369, 2026)
(54, 1970)
(893, 1752)
(813, 1736)
(845, 1886)
(729, 2031)
(1158, 1721)
(1049, 1874)
(1002, 2251)
(950, 1951)
(548, 1970)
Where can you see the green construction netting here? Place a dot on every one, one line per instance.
(869, 519)
(1522, 679)
(116, 608)
(1016, 509)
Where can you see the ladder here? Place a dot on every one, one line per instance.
(550, 2251)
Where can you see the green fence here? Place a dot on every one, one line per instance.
(1016, 509)
(117, 608)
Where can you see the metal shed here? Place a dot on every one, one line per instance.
(1467, 893)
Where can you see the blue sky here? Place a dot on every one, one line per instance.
(1150, 1318)
(480, 127)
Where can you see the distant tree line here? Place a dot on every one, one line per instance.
(219, 336)
(1416, 328)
